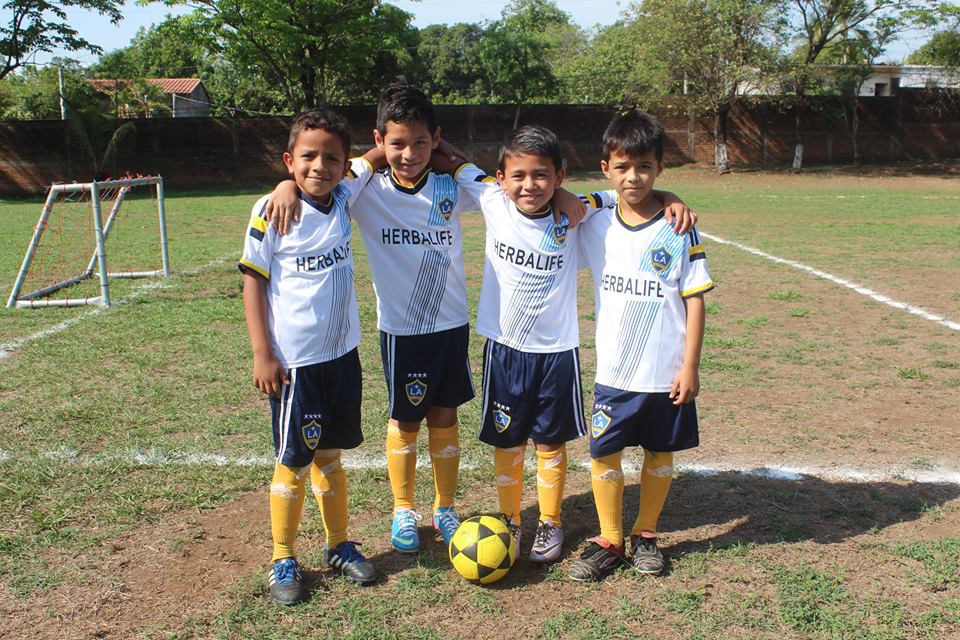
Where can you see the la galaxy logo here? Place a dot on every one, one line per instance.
(660, 259)
(560, 233)
(311, 434)
(501, 420)
(446, 208)
(599, 423)
(416, 391)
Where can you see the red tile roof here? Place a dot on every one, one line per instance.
(169, 85)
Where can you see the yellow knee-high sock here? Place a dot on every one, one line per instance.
(329, 485)
(607, 479)
(445, 458)
(551, 475)
(402, 465)
(655, 479)
(508, 469)
(286, 507)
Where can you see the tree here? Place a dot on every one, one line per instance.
(515, 52)
(311, 51)
(38, 26)
(943, 49)
(818, 24)
(450, 66)
(708, 50)
(174, 48)
(33, 92)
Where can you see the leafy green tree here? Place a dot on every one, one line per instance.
(450, 66)
(38, 26)
(33, 93)
(818, 24)
(310, 51)
(943, 49)
(174, 48)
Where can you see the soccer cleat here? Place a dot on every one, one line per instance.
(286, 582)
(598, 559)
(403, 533)
(354, 565)
(547, 542)
(515, 533)
(445, 521)
(646, 556)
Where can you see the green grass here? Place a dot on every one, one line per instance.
(99, 421)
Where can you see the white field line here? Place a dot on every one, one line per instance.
(870, 293)
(775, 196)
(788, 473)
(7, 348)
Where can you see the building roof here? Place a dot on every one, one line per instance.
(168, 85)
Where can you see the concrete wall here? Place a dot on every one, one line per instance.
(208, 152)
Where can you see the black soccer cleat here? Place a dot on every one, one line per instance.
(354, 565)
(597, 561)
(286, 582)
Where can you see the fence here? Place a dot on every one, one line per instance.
(209, 152)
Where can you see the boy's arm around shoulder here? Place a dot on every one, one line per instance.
(676, 211)
(268, 374)
(686, 384)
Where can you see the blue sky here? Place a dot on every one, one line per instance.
(586, 13)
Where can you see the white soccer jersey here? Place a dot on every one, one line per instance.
(528, 300)
(641, 275)
(415, 247)
(312, 306)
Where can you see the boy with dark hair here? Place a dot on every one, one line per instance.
(304, 328)
(649, 284)
(528, 313)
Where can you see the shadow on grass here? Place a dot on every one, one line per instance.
(736, 508)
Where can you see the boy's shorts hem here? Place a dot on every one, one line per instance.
(622, 419)
(422, 371)
(318, 409)
(530, 396)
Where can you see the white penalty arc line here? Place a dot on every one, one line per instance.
(935, 474)
(8, 348)
(870, 293)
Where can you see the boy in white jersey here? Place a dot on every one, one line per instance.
(649, 285)
(301, 312)
(528, 313)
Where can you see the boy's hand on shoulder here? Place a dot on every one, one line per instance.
(565, 202)
(283, 206)
(686, 386)
(677, 213)
(269, 375)
(446, 157)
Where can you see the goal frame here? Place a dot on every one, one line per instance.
(97, 265)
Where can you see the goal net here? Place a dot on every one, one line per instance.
(89, 234)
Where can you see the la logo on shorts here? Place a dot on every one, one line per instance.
(416, 391)
(311, 434)
(446, 208)
(501, 420)
(660, 259)
(600, 423)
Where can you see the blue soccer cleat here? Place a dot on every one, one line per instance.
(445, 521)
(286, 582)
(403, 533)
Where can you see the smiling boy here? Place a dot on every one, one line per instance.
(301, 312)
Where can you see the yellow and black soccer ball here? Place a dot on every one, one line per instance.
(481, 550)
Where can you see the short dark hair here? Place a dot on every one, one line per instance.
(531, 140)
(634, 133)
(402, 102)
(325, 119)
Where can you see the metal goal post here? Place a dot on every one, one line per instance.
(97, 265)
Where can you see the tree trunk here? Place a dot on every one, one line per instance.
(720, 157)
(516, 118)
(798, 126)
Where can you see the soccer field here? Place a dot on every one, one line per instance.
(823, 502)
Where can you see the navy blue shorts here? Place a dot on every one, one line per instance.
(426, 370)
(534, 396)
(624, 419)
(319, 409)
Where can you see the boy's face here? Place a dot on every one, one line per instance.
(408, 146)
(318, 162)
(529, 180)
(632, 176)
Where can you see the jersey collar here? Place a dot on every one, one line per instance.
(415, 188)
(536, 215)
(322, 208)
(637, 227)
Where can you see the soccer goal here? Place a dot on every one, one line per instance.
(69, 247)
